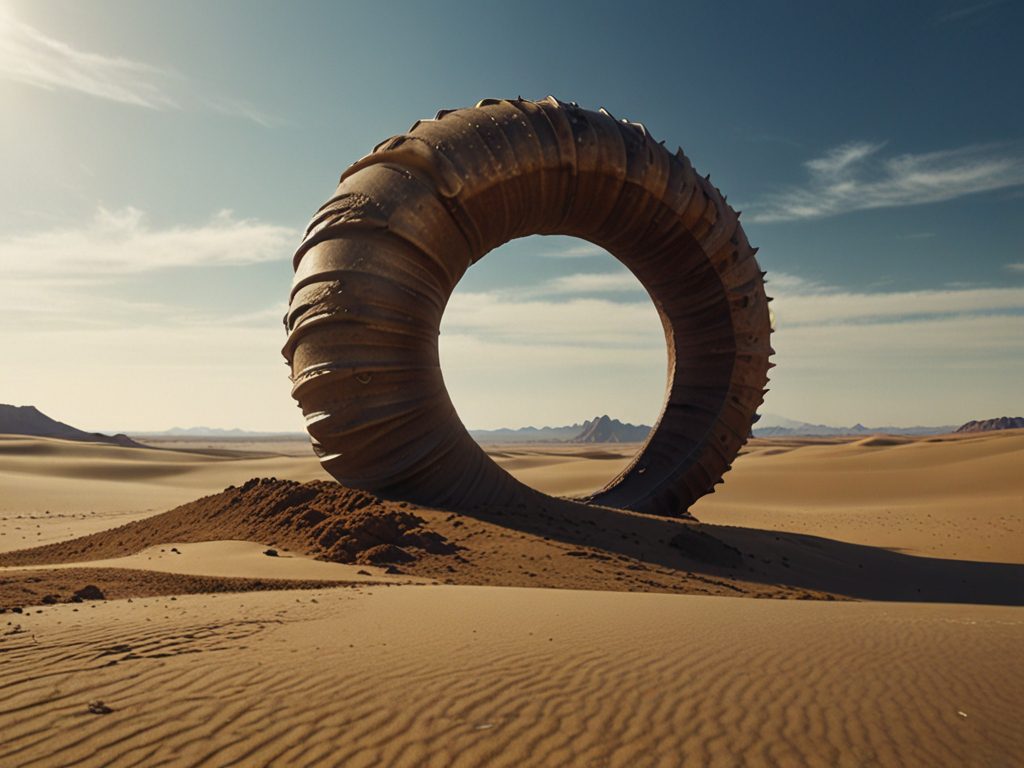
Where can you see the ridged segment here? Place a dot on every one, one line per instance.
(381, 258)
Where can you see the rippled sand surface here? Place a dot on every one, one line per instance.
(350, 672)
(468, 676)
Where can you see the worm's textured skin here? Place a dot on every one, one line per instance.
(381, 258)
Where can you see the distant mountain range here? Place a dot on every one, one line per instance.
(823, 430)
(607, 430)
(988, 425)
(601, 429)
(770, 425)
(29, 420)
(604, 429)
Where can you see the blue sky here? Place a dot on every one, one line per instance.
(160, 160)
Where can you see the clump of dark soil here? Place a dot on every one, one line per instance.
(88, 592)
(322, 519)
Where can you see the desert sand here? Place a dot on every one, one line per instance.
(953, 496)
(57, 489)
(550, 635)
(468, 676)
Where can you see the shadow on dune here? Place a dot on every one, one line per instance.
(559, 543)
(770, 557)
(875, 573)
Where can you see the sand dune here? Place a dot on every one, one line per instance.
(549, 543)
(212, 672)
(55, 489)
(952, 496)
(563, 470)
(949, 496)
(467, 676)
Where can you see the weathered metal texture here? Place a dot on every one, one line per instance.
(380, 260)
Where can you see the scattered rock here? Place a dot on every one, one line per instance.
(50, 600)
(99, 708)
(270, 552)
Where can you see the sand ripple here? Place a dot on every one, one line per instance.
(469, 676)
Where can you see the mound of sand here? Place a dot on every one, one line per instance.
(882, 441)
(324, 519)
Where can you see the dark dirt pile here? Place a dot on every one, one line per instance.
(322, 519)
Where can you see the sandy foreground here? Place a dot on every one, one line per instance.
(468, 676)
(363, 666)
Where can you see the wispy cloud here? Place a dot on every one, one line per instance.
(588, 321)
(821, 305)
(105, 274)
(968, 11)
(243, 109)
(854, 177)
(119, 242)
(575, 250)
(838, 160)
(1016, 267)
(590, 283)
(31, 57)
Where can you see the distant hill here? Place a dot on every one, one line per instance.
(988, 425)
(607, 430)
(600, 429)
(29, 420)
(779, 426)
(526, 434)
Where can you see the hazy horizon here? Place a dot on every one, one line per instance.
(765, 420)
(161, 160)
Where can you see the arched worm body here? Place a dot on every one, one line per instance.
(381, 258)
